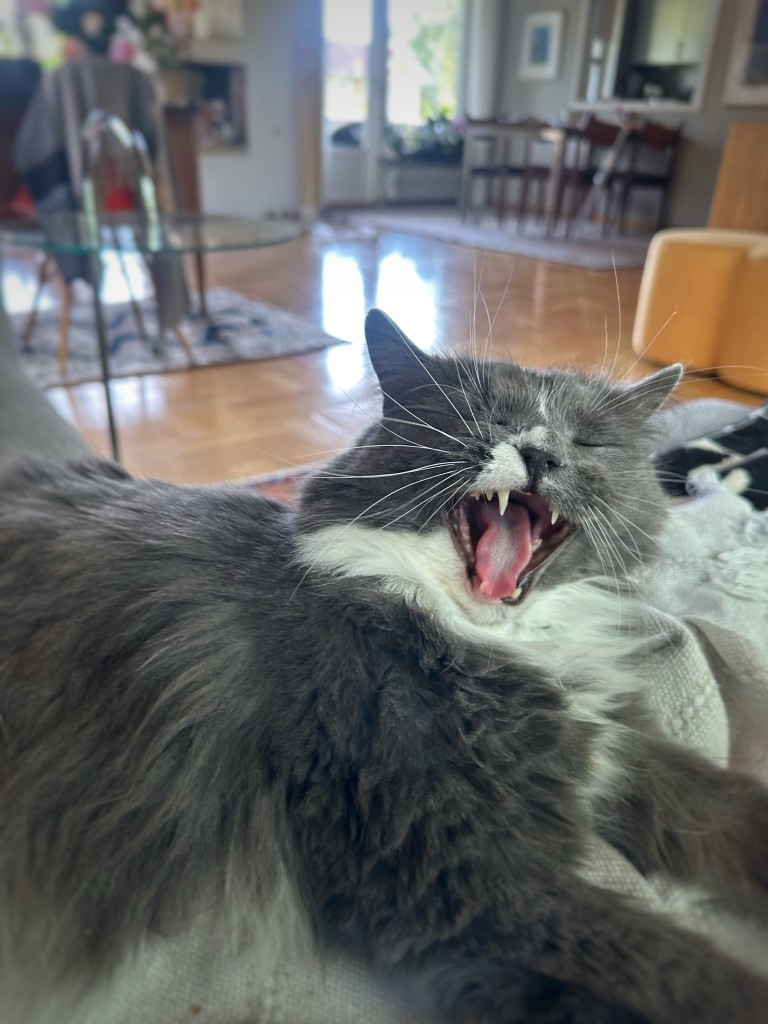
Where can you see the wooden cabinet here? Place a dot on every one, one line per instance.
(671, 32)
(181, 133)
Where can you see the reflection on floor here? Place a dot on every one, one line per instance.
(232, 422)
(586, 245)
(121, 280)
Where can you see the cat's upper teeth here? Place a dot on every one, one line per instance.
(503, 498)
(555, 515)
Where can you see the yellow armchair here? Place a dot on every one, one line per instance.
(704, 302)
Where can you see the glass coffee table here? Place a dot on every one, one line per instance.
(76, 234)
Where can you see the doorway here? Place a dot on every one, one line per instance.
(393, 89)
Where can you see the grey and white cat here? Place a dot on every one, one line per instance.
(206, 697)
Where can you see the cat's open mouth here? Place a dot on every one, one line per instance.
(506, 538)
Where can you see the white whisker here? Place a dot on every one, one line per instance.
(431, 377)
(426, 426)
(382, 476)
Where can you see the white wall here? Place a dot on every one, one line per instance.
(264, 178)
(539, 99)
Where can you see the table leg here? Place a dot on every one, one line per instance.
(505, 161)
(101, 334)
(200, 267)
(466, 176)
(555, 181)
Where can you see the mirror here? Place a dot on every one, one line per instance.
(641, 52)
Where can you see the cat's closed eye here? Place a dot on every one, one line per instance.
(593, 444)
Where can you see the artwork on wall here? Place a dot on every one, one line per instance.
(217, 20)
(540, 53)
(747, 81)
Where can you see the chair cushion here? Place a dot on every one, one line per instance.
(704, 301)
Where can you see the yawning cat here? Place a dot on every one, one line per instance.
(206, 698)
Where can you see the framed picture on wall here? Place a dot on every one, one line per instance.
(540, 52)
(747, 81)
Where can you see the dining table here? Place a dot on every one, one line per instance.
(502, 134)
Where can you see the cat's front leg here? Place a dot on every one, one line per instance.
(680, 814)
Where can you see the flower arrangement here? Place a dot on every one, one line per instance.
(154, 34)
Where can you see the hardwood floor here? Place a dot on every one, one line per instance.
(239, 420)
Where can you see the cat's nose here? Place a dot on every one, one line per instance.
(539, 460)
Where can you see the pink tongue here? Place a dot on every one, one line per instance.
(503, 550)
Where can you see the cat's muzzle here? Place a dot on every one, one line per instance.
(507, 539)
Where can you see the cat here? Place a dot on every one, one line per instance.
(207, 698)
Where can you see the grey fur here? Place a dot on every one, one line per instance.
(188, 710)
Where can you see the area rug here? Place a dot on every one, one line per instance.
(240, 329)
(587, 248)
(281, 484)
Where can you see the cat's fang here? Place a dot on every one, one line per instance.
(505, 538)
(501, 496)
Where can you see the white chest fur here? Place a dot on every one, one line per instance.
(580, 633)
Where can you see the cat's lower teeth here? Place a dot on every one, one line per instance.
(536, 544)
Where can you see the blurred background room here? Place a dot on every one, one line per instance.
(200, 199)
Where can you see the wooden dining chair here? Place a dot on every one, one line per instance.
(58, 113)
(18, 81)
(596, 141)
(587, 148)
(653, 153)
(531, 170)
(598, 196)
(488, 157)
(482, 157)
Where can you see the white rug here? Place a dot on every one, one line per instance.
(587, 248)
(241, 329)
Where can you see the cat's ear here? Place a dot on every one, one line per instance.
(399, 364)
(649, 394)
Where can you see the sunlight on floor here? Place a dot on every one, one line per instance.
(123, 274)
(343, 314)
(19, 286)
(343, 297)
(409, 298)
(401, 290)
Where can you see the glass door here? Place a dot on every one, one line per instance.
(393, 73)
(349, 103)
